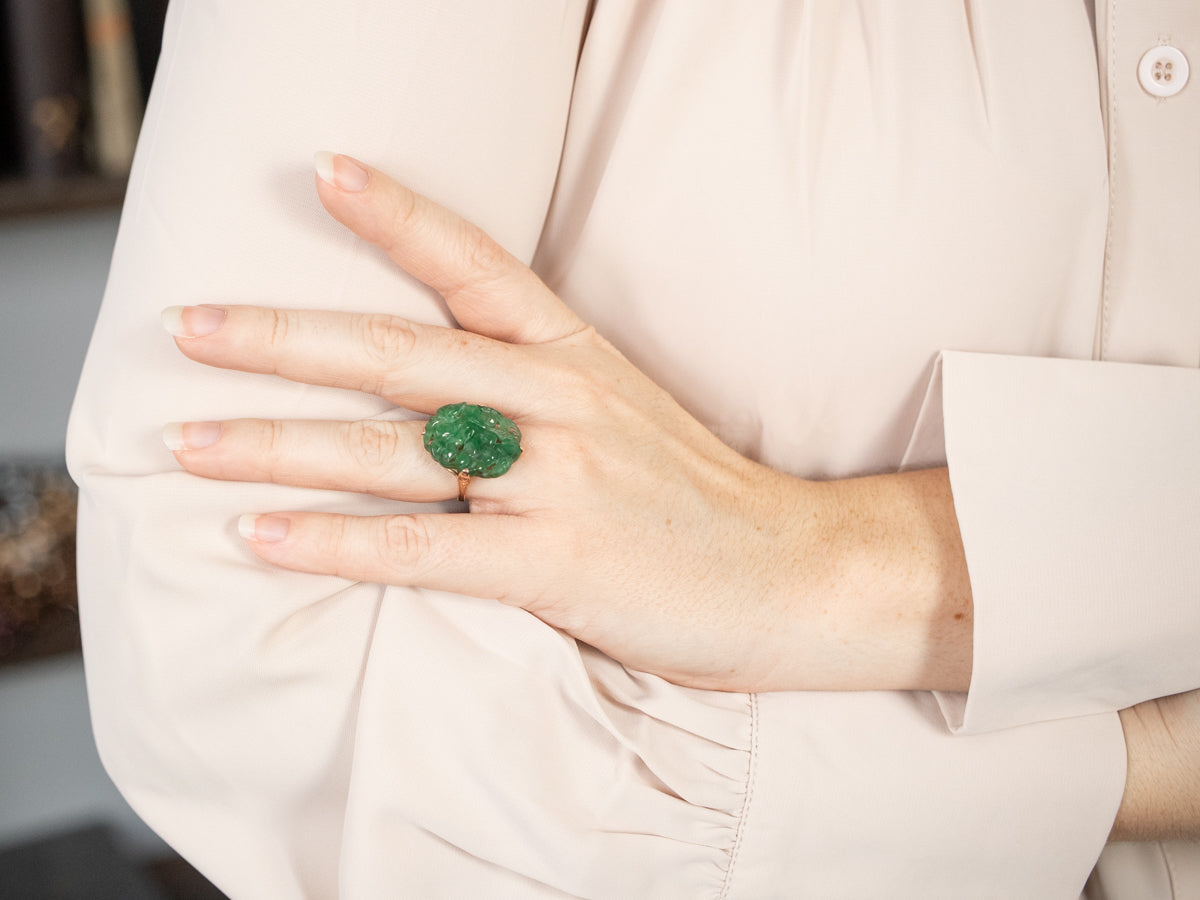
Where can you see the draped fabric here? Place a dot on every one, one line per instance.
(849, 238)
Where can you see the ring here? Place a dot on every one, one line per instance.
(472, 440)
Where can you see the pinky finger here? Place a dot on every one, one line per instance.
(491, 556)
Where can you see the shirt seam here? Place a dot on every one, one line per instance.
(744, 813)
(1109, 75)
(1170, 867)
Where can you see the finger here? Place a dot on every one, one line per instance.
(489, 291)
(419, 367)
(492, 556)
(387, 459)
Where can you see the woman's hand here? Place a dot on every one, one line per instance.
(625, 522)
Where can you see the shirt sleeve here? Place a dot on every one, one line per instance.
(1077, 490)
(224, 693)
(303, 736)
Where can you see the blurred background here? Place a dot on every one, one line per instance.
(74, 77)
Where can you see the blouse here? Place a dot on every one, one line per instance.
(849, 238)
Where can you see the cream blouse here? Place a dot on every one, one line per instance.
(850, 238)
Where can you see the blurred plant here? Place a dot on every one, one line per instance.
(37, 549)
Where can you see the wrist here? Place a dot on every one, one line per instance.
(880, 598)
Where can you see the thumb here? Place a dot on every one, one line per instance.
(489, 291)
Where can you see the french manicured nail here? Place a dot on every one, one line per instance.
(193, 321)
(268, 529)
(341, 171)
(190, 435)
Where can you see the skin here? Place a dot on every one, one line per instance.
(653, 541)
(1162, 784)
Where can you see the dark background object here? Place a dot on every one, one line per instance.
(8, 123)
(87, 864)
(72, 866)
(48, 72)
(148, 18)
(69, 181)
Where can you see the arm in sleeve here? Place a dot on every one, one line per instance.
(1077, 490)
(224, 692)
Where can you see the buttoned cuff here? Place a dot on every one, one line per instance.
(1077, 490)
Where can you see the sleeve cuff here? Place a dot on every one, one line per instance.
(1077, 490)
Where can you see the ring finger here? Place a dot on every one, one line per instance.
(384, 458)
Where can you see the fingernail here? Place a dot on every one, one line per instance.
(192, 321)
(268, 529)
(190, 435)
(341, 171)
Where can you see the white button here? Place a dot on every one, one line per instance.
(1163, 71)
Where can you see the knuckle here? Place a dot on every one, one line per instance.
(565, 444)
(341, 542)
(483, 263)
(387, 339)
(373, 445)
(584, 452)
(339, 537)
(404, 214)
(282, 323)
(483, 254)
(406, 541)
(587, 394)
(273, 439)
(273, 449)
(588, 337)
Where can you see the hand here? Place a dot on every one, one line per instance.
(625, 522)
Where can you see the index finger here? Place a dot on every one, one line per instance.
(489, 291)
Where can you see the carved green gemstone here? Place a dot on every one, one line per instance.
(473, 439)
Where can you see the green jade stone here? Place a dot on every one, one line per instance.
(472, 439)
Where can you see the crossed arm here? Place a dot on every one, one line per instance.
(1162, 784)
(654, 542)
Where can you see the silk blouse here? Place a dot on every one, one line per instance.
(849, 238)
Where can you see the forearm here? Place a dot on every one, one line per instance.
(1162, 786)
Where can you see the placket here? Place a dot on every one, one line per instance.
(1149, 54)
